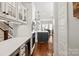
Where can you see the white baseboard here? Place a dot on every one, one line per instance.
(73, 52)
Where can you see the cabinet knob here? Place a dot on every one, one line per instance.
(4, 12)
(7, 13)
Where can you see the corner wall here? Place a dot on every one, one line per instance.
(60, 39)
(73, 32)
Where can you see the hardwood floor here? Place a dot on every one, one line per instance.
(44, 49)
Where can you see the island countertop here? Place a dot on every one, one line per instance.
(7, 47)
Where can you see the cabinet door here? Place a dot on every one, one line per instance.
(2, 7)
(24, 14)
(11, 9)
(20, 11)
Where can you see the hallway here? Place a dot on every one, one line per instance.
(26, 28)
(44, 49)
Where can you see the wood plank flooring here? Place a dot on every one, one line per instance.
(44, 49)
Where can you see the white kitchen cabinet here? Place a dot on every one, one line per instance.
(24, 14)
(2, 8)
(13, 12)
(11, 9)
(20, 11)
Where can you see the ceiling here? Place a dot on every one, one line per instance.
(45, 9)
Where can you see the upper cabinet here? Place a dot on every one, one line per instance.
(11, 9)
(14, 12)
(24, 14)
(20, 11)
(0, 7)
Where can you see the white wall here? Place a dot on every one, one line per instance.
(33, 11)
(62, 28)
(73, 29)
(73, 32)
(45, 9)
(60, 39)
(56, 29)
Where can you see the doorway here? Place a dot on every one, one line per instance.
(43, 28)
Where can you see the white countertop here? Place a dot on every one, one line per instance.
(42, 31)
(39, 31)
(9, 46)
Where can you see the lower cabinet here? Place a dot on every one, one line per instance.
(42, 36)
(23, 50)
(16, 53)
(28, 48)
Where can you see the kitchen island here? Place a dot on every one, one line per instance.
(42, 36)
